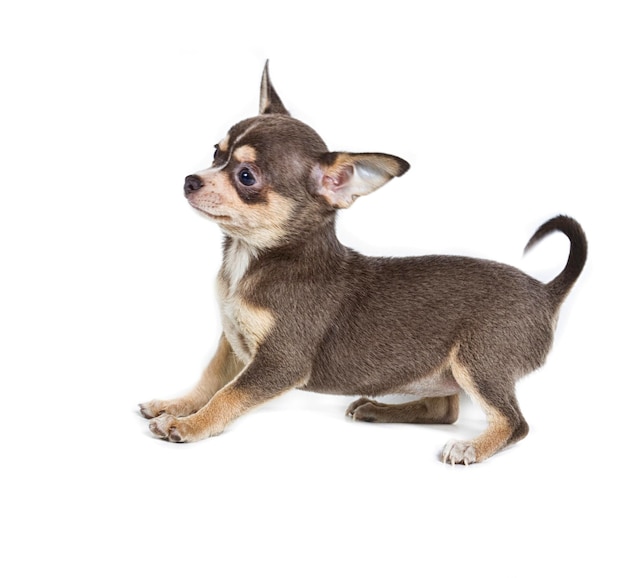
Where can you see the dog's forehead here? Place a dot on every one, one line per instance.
(272, 136)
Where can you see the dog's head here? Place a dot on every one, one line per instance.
(273, 178)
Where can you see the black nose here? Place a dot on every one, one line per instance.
(193, 183)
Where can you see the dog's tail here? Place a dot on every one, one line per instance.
(560, 286)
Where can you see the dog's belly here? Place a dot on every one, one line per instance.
(437, 384)
(432, 386)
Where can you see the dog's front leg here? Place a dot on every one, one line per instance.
(221, 370)
(266, 377)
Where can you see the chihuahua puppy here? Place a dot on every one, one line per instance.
(300, 310)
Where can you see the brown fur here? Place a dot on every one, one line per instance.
(300, 310)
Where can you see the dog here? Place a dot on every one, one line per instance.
(300, 310)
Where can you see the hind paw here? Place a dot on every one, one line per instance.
(458, 452)
(362, 409)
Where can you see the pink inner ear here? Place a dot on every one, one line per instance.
(336, 181)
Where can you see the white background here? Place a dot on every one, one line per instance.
(509, 113)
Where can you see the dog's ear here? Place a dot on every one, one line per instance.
(270, 102)
(342, 177)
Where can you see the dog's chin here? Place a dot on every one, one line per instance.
(212, 216)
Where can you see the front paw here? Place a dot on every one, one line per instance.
(169, 428)
(156, 408)
(152, 409)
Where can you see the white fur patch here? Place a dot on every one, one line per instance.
(244, 324)
(236, 263)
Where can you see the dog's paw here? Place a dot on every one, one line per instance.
(152, 409)
(169, 428)
(362, 409)
(458, 452)
(156, 408)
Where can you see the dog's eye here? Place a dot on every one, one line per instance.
(246, 178)
(217, 150)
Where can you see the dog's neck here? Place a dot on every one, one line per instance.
(319, 248)
(237, 258)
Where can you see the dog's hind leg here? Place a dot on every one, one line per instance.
(429, 410)
(506, 424)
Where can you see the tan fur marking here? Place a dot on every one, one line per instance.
(227, 405)
(216, 195)
(243, 321)
(221, 370)
(245, 154)
(498, 429)
(459, 371)
(248, 323)
(262, 226)
(266, 222)
(494, 437)
(255, 322)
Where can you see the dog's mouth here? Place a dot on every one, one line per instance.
(212, 216)
(217, 217)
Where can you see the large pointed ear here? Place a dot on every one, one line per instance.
(270, 102)
(342, 177)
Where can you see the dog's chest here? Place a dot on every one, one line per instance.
(245, 325)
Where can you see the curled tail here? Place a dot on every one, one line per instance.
(560, 286)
